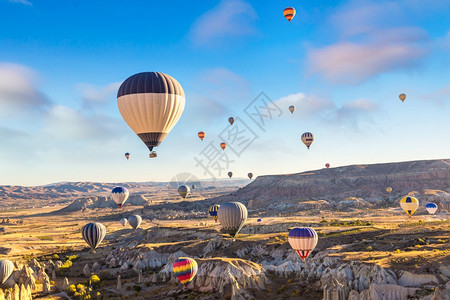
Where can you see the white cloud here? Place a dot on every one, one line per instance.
(230, 18)
(353, 114)
(354, 62)
(93, 95)
(18, 91)
(25, 2)
(305, 105)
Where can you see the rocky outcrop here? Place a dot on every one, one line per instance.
(336, 184)
(416, 280)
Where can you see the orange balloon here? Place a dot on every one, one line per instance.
(223, 145)
(201, 135)
(289, 13)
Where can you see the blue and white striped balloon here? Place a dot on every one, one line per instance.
(431, 208)
(120, 194)
(303, 240)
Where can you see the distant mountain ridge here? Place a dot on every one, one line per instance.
(368, 181)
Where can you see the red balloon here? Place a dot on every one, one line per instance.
(327, 165)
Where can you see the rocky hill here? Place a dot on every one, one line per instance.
(349, 183)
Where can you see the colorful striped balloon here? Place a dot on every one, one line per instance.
(201, 135)
(289, 13)
(213, 211)
(303, 240)
(185, 268)
(409, 205)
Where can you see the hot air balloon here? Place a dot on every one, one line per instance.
(292, 109)
(223, 145)
(185, 268)
(231, 120)
(201, 135)
(184, 191)
(327, 165)
(402, 97)
(93, 234)
(232, 216)
(213, 211)
(303, 240)
(127, 156)
(135, 221)
(307, 139)
(250, 175)
(6, 269)
(193, 186)
(124, 221)
(289, 13)
(153, 154)
(230, 174)
(431, 208)
(119, 194)
(259, 220)
(151, 103)
(409, 205)
(388, 189)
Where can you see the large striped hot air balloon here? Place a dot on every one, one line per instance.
(303, 240)
(289, 13)
(185, 268)
(6, 269)
(184, 191)
(213, 211)
(431, 208)
(120, 194)
(135, 221)
(409, 205)
(151, 103)
(307, 139)
(201, 135)
(93, 234)
(232, 217)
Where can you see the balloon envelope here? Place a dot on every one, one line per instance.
(231, 120)
(6, 269)
(250, 175)
(127, 156)
(213, 211)
(289, 13)
(327, 165)
(292, 109)
(223, 145)
(151, 103)
(388, 189)
(201, 135)
(232, 217)
(402, 97)
(230, 174)
(409, 204)
(303, 240)
(120, 194)
(185, 268)
(135, 221)
(431, 208)
(184, 191)
(124, 221)
(93, 234)
(307, 139)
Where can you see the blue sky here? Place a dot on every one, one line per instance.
(341, 63)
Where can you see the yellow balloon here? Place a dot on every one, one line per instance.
(409, 205)
(388, 189)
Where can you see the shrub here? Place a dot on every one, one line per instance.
(137, 288)
(369, 248)
(72, 289)
(94, 279)
(72, 257)
(281, 289)
(55, 256)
